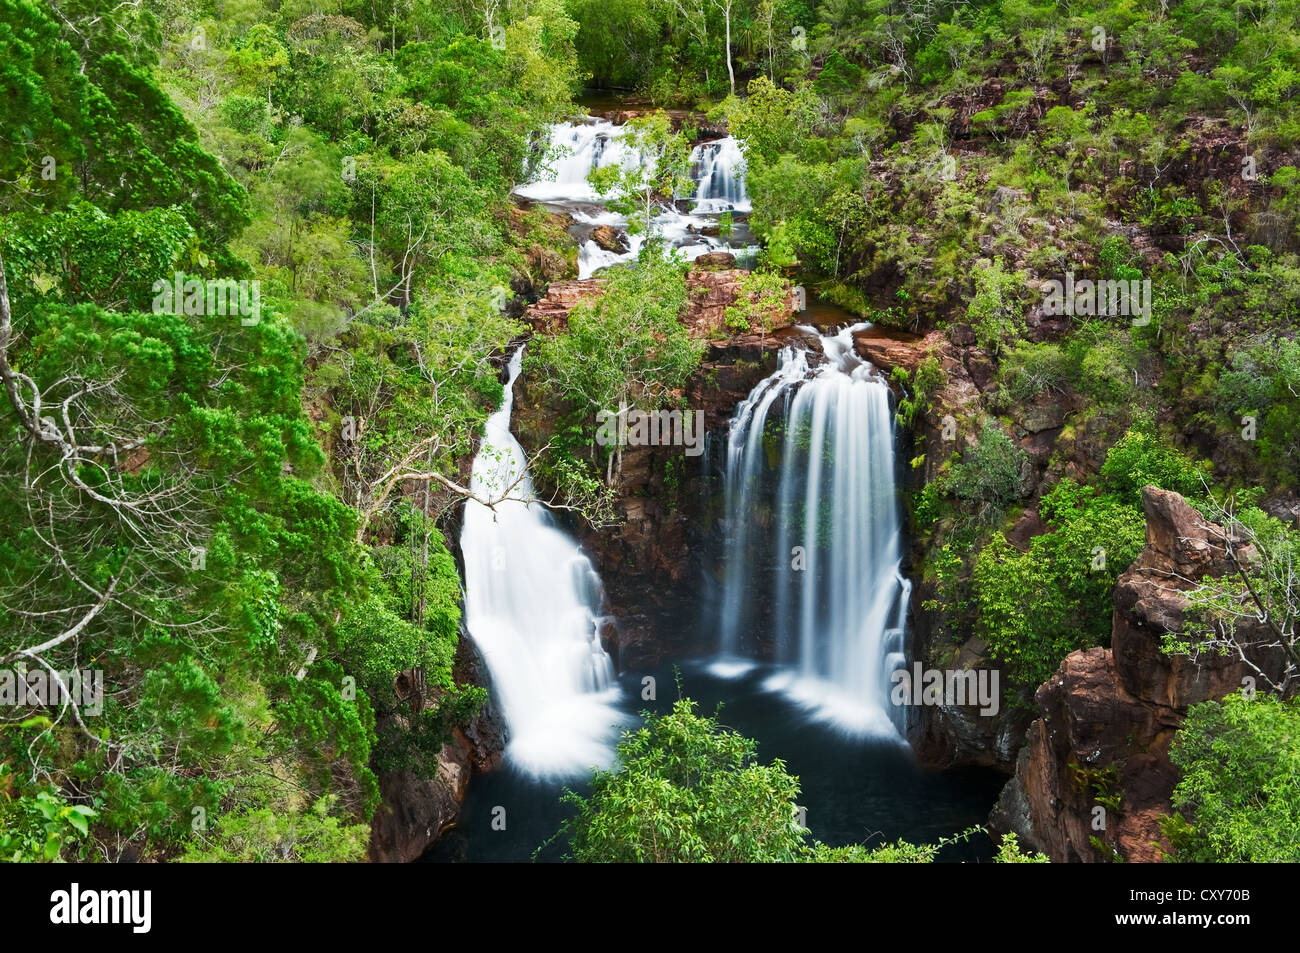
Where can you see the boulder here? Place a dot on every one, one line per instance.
(715, 260)
(886, 348)
(550, 315)
(610, 238)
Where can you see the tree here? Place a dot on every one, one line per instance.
(1237, 797)
(689, 790)
(771, 121)
(725, 6)
(1253, 612)
(625, 348)
(658, 171)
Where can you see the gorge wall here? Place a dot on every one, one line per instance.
(1106, 719)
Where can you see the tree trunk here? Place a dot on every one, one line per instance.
(731, 75)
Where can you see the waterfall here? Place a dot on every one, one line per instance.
(532, 606)
(813, 533)
(578, 148)
(718, 169)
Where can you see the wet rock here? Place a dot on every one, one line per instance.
(610, 238)
(415, 811)
(715, 260)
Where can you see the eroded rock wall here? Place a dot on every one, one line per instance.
(1106, 718)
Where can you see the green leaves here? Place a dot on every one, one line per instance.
(689, 790)
(662, 171)
(1237, 796)
(627, 344)
(38, 826)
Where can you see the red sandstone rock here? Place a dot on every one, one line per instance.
(887, 349)
(1107, 717)
(550, 315)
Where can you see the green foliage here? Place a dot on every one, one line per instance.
(689, 790)
(762, 299)
(266, 836)
(927, 379)
(1028, 371)
(994, 312)
(1009, 852)
(625, 346)
(988, 475)
(1263, 380)
(1036, 607)
(1237, 795)
(366, 188)
(1140, 458)
(39, 825)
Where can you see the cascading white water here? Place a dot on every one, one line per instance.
(578, 149)
(814, 531)
(532, 606)
(718, 173)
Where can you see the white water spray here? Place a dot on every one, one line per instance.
(718, 175)
(813, 529)
(532, 606)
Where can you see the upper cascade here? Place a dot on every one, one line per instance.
(717, 170)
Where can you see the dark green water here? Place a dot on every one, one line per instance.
(855, 791)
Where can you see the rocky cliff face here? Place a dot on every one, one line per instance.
(655, 564)
(414, 811)
(1094, 777)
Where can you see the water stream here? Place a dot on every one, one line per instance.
(689, 224)
(532, 606)
(811, 609)
(813, 529)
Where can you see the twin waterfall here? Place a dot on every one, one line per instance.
(532, 606)
(811, 577)
(813, 539)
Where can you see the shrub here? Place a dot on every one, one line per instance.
(994, 312)
(1239, 760)
(988, 474)
(1139, 458)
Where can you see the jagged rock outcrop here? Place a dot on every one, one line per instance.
(1106, 718)
(415, 811)
(888, 349)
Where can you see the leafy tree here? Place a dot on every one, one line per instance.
(1237, 795)
(660, 172)
(1253, 611)
(266, 836)
(626, 346)
(1036, 607)
(994, 312)
(689, 790)
(988, 475)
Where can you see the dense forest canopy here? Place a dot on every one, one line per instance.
(245, 519)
